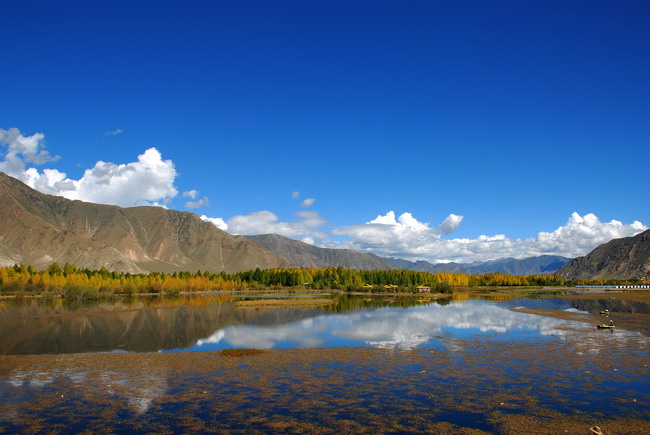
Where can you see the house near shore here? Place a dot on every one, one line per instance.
(367, 287)
(424, 289)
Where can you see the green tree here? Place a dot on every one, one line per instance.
(54, 269)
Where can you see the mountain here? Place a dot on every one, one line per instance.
(626, 258)
(542, 264)
(39, 229)
(425, 266)
(309, 256)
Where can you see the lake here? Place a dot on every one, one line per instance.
(324, 363)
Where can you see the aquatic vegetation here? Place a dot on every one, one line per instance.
(466, 367)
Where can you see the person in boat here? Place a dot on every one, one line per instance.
(611, 323)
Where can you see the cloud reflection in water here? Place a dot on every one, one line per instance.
(384, 327)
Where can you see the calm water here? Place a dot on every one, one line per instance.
(203, 324)
(369, 365)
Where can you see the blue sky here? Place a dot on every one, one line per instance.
(513, 115)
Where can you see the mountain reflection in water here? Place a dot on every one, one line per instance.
(141, 326)
(613, 305)
(203, 324)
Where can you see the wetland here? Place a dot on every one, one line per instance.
(268, 363)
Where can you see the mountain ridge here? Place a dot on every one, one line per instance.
(425, 266)
(624, 258)
(40, 229)
(538, 265)
(308, 256)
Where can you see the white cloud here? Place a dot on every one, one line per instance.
(450, 224)
(389, 235)
(406, 237)
(196, 204)
(266, 222)
(137, 183)
(218, 222)
(581, 234)
(190, 194)
(114, 132)
(21, 149)
(149, 180)
(311, 219)
(308, 202)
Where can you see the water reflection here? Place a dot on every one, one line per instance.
(613, 305)
(142, 326)
(137, 391)
(384, 327)
(199, 324)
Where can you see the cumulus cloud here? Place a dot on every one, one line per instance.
(266, 222)
(114, 132)
(581, 234)
(218, 222)
(190, 205)
(308, 202)
(193, 194)
(190, 194)
(23, 149)
(406, 237)
(148, 181)
(390, 235)
(450, 224)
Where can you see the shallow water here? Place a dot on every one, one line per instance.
(205, 324)
(354, 366)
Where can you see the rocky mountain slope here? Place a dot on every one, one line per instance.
(626, 258)
(39, 229)
(306, 255)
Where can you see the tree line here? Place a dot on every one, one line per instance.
(73, 282)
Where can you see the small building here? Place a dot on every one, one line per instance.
(390, 287)
(424, 289)
(367, 287)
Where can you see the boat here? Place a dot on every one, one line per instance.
(605, 312)
(605, 326)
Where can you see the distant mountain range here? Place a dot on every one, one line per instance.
(626, 258)
(39, 229)
(543, 264)
(305, 255)
(425, 266)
